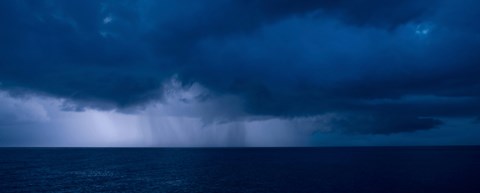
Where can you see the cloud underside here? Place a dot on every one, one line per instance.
(380, 67)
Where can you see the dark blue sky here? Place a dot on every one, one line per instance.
(357, 72)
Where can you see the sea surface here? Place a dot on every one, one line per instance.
(295, 170)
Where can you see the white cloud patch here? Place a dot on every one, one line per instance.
(107, 19)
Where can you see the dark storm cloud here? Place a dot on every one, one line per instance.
(283, 58)
(383, 124)
(57, 47)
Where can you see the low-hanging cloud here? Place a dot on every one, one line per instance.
(282, 59)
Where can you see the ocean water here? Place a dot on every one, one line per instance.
(323, 170)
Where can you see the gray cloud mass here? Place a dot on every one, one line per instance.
(381, 67)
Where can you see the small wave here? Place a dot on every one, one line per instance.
(94, 173)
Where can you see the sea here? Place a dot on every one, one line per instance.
(294, 170)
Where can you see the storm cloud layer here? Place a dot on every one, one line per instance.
(379, 67)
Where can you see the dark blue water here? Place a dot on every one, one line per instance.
(362, 169)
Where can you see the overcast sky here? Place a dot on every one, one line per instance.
(239, 73)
